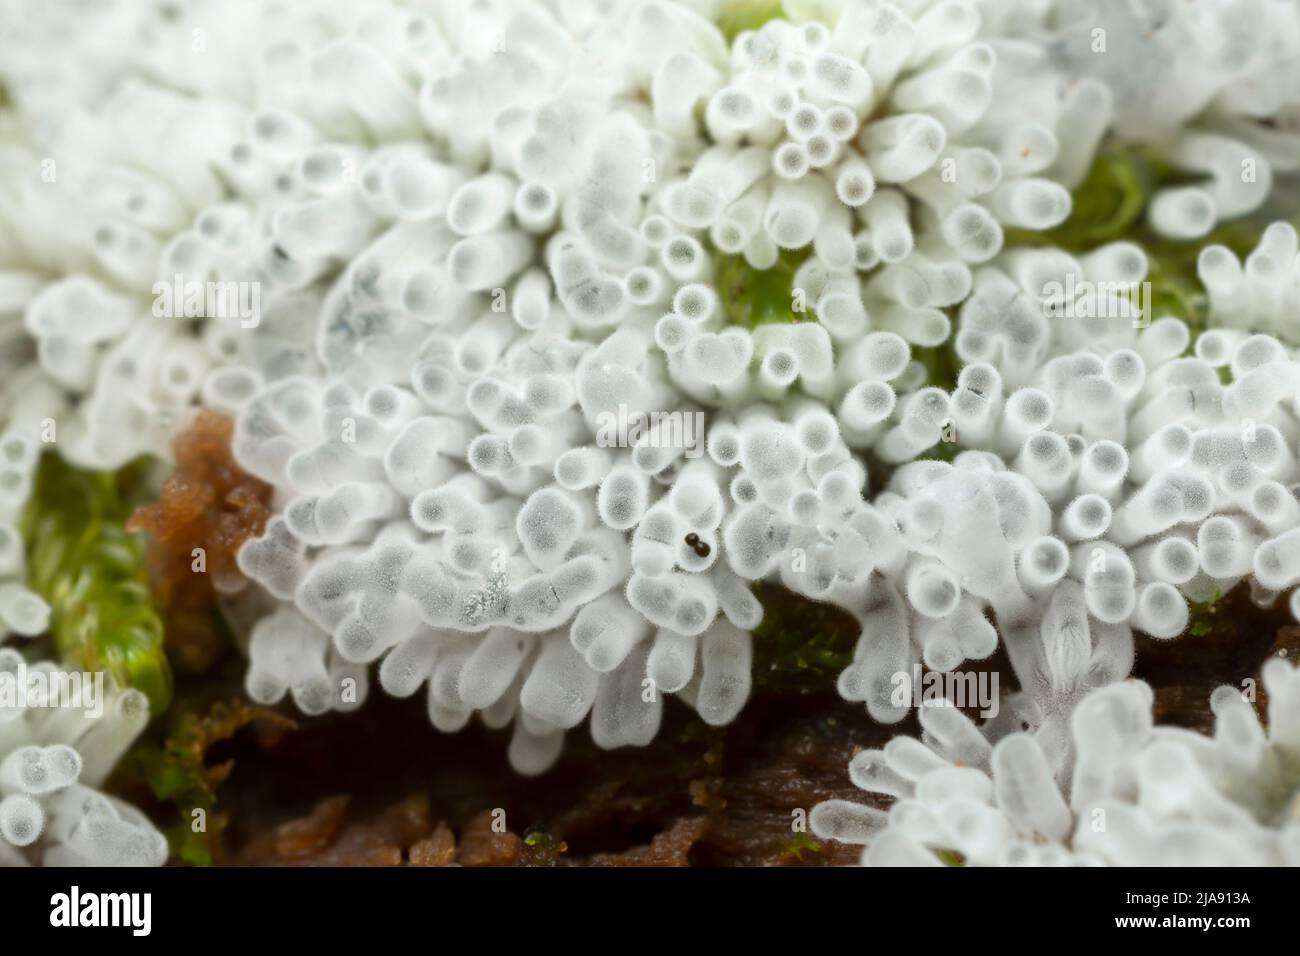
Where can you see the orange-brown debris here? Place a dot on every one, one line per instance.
(437, 849)
(208, 503)
(326, 837)
(672, 847)
(485, 842)
(402, 834)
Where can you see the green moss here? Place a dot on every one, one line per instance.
(1204, 616)
(178, 773)
(950, 858)
(800, 644)
(92, 572)
(798, 845)
(737, 16)
(1175, 291)
(942, 366)
(752, 297)
(543, 849)
(943, 451)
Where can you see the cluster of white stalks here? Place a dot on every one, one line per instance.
(1129, 793)
(456, 270)
(60, 735)
(454, 500)
(1215, 83)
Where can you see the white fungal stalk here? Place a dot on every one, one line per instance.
(22, 611)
